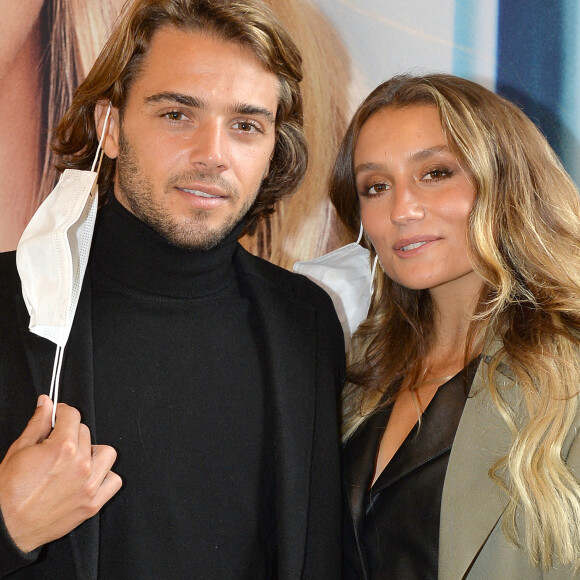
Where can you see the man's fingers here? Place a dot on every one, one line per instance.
(109, 487)
(109, 482)
(85, 440)
(48, 489)
(67, 423)
(103, 458)
(39, 426)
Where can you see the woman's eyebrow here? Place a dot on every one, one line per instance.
(430, 151)
(415, 156)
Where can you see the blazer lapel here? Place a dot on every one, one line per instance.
(433, 437)
(77, 378)
(285, 334)
(39, 351)
(472, 504)
(77, 371)
(77, 390)
(424, 444)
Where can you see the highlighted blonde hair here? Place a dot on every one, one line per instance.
(305, 225)
(524, 235)
(73, 33)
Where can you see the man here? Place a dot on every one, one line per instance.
(212, 373)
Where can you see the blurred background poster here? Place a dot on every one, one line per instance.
(527, 50)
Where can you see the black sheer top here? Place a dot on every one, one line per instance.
(392, 528)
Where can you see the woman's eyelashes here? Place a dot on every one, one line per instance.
(437, 173)
(376, 187)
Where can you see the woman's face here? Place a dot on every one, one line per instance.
(19, 19)
(415, 199)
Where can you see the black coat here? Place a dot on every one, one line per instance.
(302, 343)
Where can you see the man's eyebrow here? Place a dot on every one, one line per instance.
(247, 109)
(195, 103)
(172, 97)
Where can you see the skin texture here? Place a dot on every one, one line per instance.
(53, 480)
(20, 54)
(205, 123)
(412, 189)
(18, 20)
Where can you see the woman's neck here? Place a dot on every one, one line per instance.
(20, 112)
(454, 305)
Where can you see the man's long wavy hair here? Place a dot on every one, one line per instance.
(249, 23)
(524, 238)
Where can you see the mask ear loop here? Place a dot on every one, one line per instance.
(375, 262)
(99, 150)
(55, 380)
(373, 270)
(360, 233)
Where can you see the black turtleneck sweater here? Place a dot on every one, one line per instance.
(180, 394)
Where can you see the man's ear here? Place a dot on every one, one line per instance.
(111, 140)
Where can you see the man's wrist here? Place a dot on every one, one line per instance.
(11, 556)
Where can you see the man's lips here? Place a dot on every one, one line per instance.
(207, 191)
(412, 244)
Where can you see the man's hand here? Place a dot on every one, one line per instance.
(50, 482)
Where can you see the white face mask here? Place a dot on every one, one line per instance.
(345, 274)
(53, 253)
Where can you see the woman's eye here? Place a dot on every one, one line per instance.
(437, 174)
(376, 189)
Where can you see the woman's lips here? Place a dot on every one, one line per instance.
(411, 246)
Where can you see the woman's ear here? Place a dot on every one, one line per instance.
(111, 139)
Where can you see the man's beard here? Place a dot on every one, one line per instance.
(189, 232)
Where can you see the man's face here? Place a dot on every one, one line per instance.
(196, 137)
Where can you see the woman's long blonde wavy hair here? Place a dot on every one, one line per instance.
(305, 225)
(524, 239)
(73, 33)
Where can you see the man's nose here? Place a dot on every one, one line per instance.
(209, 148)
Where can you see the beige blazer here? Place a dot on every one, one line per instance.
(472, 544)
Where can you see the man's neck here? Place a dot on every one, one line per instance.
(136, 256)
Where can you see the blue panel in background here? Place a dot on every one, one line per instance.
(530, 61)
(475, 41)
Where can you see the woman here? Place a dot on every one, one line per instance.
(461, 410)
(61, 38)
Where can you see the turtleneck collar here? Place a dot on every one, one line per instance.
(139, 258)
